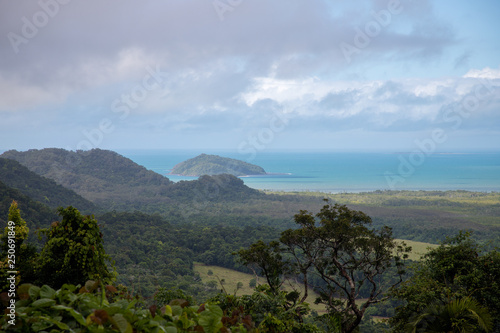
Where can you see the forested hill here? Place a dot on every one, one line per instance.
(214, 165)
(41, 189)
(101, 176)
(116, 182)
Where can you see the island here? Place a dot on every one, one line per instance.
(215, 165)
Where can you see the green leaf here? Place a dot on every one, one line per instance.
(184, 320)
(210, 319)
(168, 310)
(91, 285)
(176, 310)
(24, 290)
(34, 292)
(62, 326)
(78, 316)
(113, 309)
(40, 325)
(47, 292)
(170, 329)
(68, 287)
(43, 302)
(121, 323)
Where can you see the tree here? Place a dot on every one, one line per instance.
(456, 274)
(268, 259)
(73, 252)
(18, 229)
(338, 248)
(16, 254)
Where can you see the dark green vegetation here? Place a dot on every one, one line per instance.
(456, 288)
(38, 214)
(103, 177)
(155, 230)
(215, 165)
(39, 188)
(427, 216)
(73, 251)
(103, 308)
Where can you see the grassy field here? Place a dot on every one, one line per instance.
(232, 277)
(418, 249)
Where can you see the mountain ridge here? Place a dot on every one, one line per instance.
(115, 182)
(41, 189)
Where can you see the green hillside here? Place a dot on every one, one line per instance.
(101, 176)
(116, 182)
(39, 188)
(214, 165)
(36, 214)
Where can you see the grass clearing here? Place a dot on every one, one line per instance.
(232, 277)
(418, 249)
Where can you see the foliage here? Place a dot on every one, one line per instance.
(452, 273)
(73, 252)
(19, 230)
(97, 308)
(268, 259)
(214, 165)
(16, 254)
(272, 311)
(457, 316)
(343, 252)
(152, 252)
(37, 214)
(165, 296)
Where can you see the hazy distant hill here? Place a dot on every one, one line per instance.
(41, 189)
(215, 165)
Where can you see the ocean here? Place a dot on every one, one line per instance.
(347, 172)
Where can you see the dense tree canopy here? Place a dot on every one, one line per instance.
(456, 274)
(73, 252)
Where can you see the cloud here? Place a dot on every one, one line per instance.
(384, 105)
(88, 44)
(230, 73)
(485, 73)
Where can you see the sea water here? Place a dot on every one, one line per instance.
(347, 172)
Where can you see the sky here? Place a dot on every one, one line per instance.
(250, 75)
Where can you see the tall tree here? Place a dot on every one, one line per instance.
(73, 252)
(16, 227)
(17, 255)
(338, 246)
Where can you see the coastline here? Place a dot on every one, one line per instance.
(339, 172)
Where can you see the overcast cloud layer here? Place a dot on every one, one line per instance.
(249, 74)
